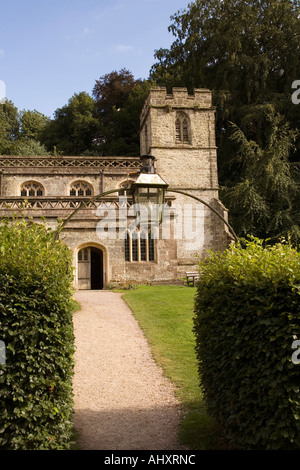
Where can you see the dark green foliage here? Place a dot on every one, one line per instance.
(36, 400)
(20, 131)
(107, 124)
(246, 320)
(247, 53)
(9, 127)
(125, 123)
(119, 101)
(264, 200)
(74, 128)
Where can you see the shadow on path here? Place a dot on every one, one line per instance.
(127, 429)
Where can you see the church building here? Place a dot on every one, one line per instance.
(110, 247)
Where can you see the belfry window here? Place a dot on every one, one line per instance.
(80, 188)
(182, 130)
(32, 189)
(139, 247)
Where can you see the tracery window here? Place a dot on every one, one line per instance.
(139, 246)
(32, 189)
(81, 188)
(182, 129)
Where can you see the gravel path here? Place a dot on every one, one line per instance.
(122, 400)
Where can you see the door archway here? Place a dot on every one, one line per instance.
(90, 268)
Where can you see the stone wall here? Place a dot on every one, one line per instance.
(190, 165)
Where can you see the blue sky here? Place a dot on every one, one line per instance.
(51, 49)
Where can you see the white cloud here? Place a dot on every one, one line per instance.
(85, 32)
(1, 53)
(125, 49)
(99, 13)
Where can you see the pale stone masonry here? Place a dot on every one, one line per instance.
(178, 129)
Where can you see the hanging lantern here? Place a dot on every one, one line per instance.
(149, 191)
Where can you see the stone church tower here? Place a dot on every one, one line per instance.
(178, 129)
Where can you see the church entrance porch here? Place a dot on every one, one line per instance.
(90, 269)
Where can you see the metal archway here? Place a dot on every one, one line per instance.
(169, 190)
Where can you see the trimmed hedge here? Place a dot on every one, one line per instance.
(36, 400)
(247, 317)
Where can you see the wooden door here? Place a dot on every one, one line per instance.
(90, 269)
(84, 269)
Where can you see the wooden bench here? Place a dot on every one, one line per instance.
(192, 277)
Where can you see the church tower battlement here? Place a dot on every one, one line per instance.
(158, 96)
(179, 130)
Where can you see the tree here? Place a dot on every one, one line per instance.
(125, 123)
(9, 127)
(243, 50)
(20, 131)
(74, 127)
(32, 124)
(30, 147)
(248, 54)
(264, 199)
(112, 91)
(119, 100)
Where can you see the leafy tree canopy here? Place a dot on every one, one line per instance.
(112, 90)
(248, 54)
(245, 51)
(32, 124)
(9, 127)
(30, 147)
(119, 100)
(20, 130)
(74, 127)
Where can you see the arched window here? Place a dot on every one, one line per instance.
(32, 189)
(182, 129)
(81, 188)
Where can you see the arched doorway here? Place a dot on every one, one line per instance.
(90, 268)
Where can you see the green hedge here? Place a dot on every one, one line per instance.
(247, 317)
(36, 400)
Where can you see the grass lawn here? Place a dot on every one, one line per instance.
(165, 314)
